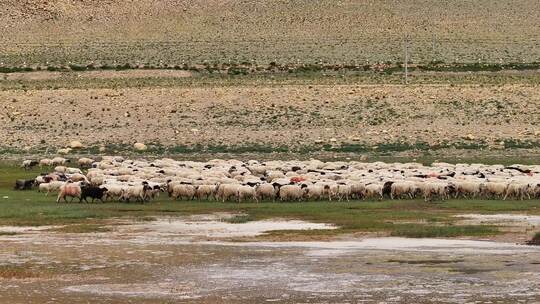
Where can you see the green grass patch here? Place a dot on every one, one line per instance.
(30, 208)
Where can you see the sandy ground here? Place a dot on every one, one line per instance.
(161, 261)
(292, 116)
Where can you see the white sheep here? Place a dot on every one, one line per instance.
(114, 191)
(246, 192)
(468, 189)
(290, 193)
(495, 189)
(344, 191)
(182, 191)
(226, 191)
(518, 190)
(265, 191)
(58, 161)
(374, 190)
(139, 193)
(85, 162)
(53, 186)
(206, 191)
(401, 189)
(29, 164)
(314, 192)
(45, 162)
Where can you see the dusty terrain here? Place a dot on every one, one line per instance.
(193, 31)
(172, 260)
(278, 117)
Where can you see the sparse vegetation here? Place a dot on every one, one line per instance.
(429, 231)
(240, 219)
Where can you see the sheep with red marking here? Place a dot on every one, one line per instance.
(70, 189)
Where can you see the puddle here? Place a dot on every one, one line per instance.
(216, 227)
(397, 244)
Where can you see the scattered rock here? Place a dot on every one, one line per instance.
(76, 145)
(140, 146)
(469, 137)
(64, 151)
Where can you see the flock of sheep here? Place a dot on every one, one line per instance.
(119, 179)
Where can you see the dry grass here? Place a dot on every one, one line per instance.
(21, 271)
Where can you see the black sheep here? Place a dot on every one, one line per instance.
(24, 184)
(93, 192)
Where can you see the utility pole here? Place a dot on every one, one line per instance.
(434, 45)
(406, 61)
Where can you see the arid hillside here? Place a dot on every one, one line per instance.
(276, 117)
(39, 32)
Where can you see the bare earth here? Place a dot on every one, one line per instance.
(292, 115)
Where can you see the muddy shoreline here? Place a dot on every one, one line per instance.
(175, 260)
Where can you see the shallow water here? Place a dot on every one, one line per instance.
(154, 263)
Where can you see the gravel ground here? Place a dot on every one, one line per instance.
(292, 116)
